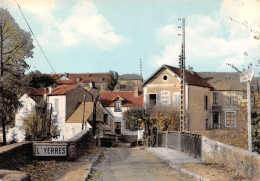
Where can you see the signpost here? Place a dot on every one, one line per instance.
(247, 77)
(42, 149)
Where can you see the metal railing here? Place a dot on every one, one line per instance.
(186, 142)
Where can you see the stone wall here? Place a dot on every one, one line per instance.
(244, 162)
(79, 144)
(14, 155)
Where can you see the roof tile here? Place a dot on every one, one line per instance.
(129, 99)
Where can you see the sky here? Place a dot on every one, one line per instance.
(85, 36)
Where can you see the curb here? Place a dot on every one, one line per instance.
(178, 168)
(93, 161)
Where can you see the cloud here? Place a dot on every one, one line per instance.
(169, 55)
(83, 24)
(212, 38)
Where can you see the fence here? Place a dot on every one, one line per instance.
(186, 142)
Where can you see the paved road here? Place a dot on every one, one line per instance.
(133, 164)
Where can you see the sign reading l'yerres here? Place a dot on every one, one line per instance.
(50, 150)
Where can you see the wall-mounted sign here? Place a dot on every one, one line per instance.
(50, 150)
(247, 76)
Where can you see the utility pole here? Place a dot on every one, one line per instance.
(183, 79)
(83, 121)
(249, 117)
(247, 77)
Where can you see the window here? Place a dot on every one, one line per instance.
(101, 79)
(106, 118)
(165, 98)
(152, 99)
(118, 127)
(205, 102)
(118, 106)
(56, 105)
(231, 99)
(177, 99)
(165, 78)
(230, 119)
(215, 98)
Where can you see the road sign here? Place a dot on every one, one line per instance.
(50, 150)
(247, 76)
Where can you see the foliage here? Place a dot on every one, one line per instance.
(256, 122)
(161, 117)
(165, 118)
(15, 46)
(41, 124)
(135, 118)
(114, 79)
(36, 79)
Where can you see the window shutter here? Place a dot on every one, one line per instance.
(146, 99)
(176, 99)
(158, 99)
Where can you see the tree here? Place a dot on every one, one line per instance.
(41, 124)
(36, 79)
(255, 115)
(151, 118)
(135, 118)
(165, 118)
(15, 46)
(114, 79)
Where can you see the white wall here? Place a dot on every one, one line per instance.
(69, 130)
(60, 111)
(118, 118)
(18, 131)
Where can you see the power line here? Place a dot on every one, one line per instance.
(37, 41)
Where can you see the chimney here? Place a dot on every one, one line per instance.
(50, 89)
(136, 92)
(190, 69)
(77, 80)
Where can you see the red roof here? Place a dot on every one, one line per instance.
(129, 99)
(191, 79)
(62, 89)
(37, 92)
(83, 78)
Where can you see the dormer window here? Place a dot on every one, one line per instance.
(118, 106)
(101, 79)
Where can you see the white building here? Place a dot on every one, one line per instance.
(28, 101)
(117, 103)
(66, 102)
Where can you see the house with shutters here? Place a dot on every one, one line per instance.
(227, 96)
(117, 103)
(66, 102)
(74, 107)
(163, 88)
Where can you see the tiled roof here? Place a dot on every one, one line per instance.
(37, 92)
(84, 78)
(129, 100)
(130, 77)
(62, 89)
(223, 80)
(191, 78)
(77, 116)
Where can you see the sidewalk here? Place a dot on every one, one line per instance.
(188, 165)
